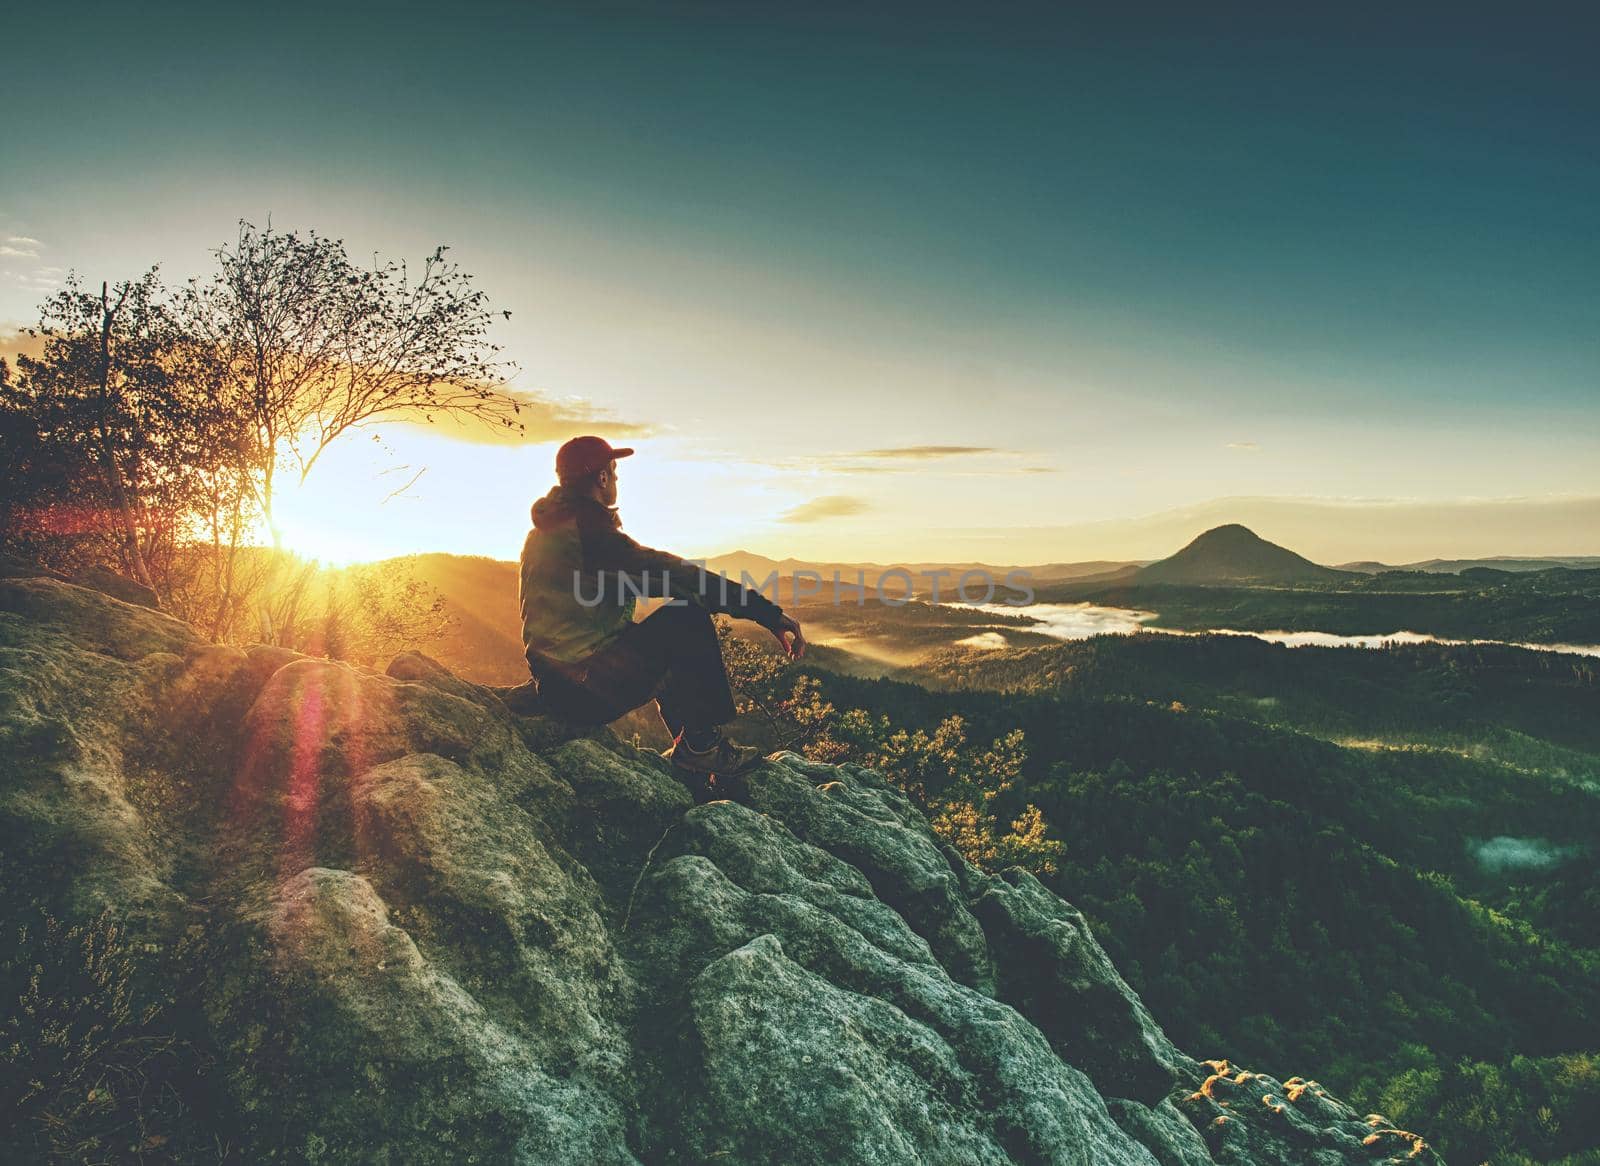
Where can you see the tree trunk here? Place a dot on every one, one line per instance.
(225, 604)
(108, 460)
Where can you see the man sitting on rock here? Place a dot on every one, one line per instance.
(581, 578)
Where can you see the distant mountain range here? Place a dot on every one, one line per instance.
(1456, 566)
(486, 643)
(1228, 554)
(759, 567)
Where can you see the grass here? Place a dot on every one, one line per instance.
(92, 1070)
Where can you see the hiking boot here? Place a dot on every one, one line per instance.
(724, 758)
(698, 785)
(732, 787)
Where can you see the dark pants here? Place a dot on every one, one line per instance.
(671, 655)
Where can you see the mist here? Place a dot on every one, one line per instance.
(1504, 853)
(1079, 621)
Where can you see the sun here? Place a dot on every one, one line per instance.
(358, 503)
(326, 519)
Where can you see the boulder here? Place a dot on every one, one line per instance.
(118, 587)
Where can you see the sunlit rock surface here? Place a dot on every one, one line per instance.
(398, 923)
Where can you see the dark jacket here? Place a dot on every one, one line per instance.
(581, 578)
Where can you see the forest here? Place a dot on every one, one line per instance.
(1560, 605)
(1372, 864)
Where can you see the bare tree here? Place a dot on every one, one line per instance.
(315, 346)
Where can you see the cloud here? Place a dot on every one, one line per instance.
(544, 419)
(920, 452)
(14, 342)
(19, 267)
(837, 467)
(828, 506)
(19, 247)
(912, 467)
(1245, 446)
(904, 459)
(912, 459)
(31, 281)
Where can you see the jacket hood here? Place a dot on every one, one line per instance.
(561, 506)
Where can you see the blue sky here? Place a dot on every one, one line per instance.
(1128, 261)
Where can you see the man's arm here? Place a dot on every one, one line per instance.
(660, 573)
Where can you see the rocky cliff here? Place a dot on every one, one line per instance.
(380, 918)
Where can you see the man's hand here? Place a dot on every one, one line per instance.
(790, 637)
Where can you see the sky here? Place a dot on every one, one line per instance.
(896, 282)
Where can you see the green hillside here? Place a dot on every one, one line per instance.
(1275, 893)
(1374, 861)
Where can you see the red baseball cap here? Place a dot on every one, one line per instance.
(586, 455)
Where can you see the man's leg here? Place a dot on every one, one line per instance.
(679, 641)
(672, 655)
(694, 698)
(602, 686)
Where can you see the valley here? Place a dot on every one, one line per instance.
(1354, 856)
